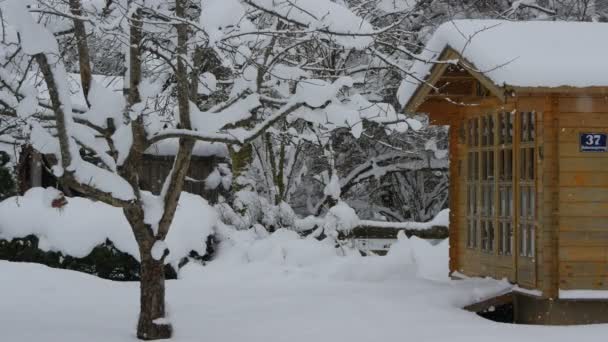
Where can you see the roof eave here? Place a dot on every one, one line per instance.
(419, 95)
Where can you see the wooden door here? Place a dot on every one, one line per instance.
(526, 198)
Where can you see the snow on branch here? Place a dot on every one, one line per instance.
(39, 43)
(323, 16)
(441, 220)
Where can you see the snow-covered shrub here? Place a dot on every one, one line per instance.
(282, 248)
(258, 252)
(249, 209)
(83, 228)
(341, 217)
(104, 260)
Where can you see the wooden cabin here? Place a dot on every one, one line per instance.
(527, 106)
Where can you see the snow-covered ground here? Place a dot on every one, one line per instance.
(272, 288)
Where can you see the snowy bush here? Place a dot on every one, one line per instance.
(285, 251)
(249, 209)
(104, 260)
(82, 225)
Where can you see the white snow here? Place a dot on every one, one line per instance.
(153, 206)
(161, 321)
(213, 180)
(221, 17)
(520, 53)
(324, 15)
(83, 224)
(229, 20)
(349, 113)
(207, 84)
(11, 150)
(529, 292)
(274, 288)
(105, 97)
(35, 38)
(341, 217)
(158, 249)
(101, 179)
(214, 122)
(583, 294)
(315, 92)
(442, 220)
(169, 147)
(28, 105)
(332, 189)
(431, 145)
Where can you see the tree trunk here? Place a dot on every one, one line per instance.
(241, 159)
(84, 59)
(152, 323)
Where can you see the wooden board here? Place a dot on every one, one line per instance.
(583, 104)
(583, 253)
(583, 223)
(580, 282)
(578, 179)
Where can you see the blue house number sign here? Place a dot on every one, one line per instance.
(593, 142)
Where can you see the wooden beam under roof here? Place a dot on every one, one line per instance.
(438, 71)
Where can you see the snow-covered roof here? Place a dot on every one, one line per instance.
(519, 53)
(169, 147)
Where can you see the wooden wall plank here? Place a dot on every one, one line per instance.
(577, 209)
(583, 269)
(583, 223)
(584, 238)
(580, 282)
(571, 164)
(583, 104)
(583, 253)
(583, 195)
(583, 179)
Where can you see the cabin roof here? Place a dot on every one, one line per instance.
(524, 54)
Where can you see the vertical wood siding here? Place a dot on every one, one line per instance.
(583, 195)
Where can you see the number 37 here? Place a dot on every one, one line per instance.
(593, 139)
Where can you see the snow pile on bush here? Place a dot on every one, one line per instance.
(83, 224)
(250, 209)
(406, 258)
(340, 217)
(281, 248)
(285, 251)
